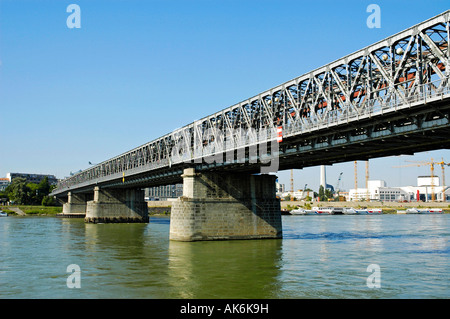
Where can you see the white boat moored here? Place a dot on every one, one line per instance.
(434, 211)
(313, 211)
(421, 211)
(298, 211)
(369, 211)
(322, 211)
(349, 211)
(413, 211)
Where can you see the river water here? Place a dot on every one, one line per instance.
(318, 257)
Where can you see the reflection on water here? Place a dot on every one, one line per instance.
(318, 257)
(224, 269)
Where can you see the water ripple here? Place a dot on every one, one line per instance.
(345, 236)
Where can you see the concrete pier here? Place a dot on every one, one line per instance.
(224, 206)
(76, 204)
(117, 206)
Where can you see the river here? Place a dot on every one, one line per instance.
(319, 257)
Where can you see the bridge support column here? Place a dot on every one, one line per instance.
(76, 204)
(223, 206)
(117, 206)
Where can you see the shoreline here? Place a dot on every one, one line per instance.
(31, 210)
(388, 207)
(163, 208)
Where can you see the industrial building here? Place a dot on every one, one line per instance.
(427, 189)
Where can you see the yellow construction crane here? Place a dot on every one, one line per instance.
(292, 184)
(442, 163)
(431, 163)
(367, 181)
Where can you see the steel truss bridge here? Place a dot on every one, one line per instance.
(390, 98)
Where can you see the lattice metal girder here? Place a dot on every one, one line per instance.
(406, 69)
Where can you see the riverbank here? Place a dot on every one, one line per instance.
(160, 209)
(388, 207)
(164, 207)
(25, 210)
(393, 205)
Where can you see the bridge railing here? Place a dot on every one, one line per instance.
(421, 94)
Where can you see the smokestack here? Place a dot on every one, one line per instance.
(323, 178)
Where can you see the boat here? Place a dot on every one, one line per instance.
(313, 211)
(421, 211)
(298, 211)
(349, 211)
(434, 211)
(3, 214)
(424, 211)
(336, 211)
(322, 211)
(369, 211)
(413, 211)
(343, 211)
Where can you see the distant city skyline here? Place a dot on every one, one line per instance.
(136, 70)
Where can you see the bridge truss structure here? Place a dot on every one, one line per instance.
(395, 87)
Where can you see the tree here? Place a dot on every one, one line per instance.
(321, 193)
(23, 193)
(4, 194)
(18, 191)
(325, 194)
(44, 186)
(328, 193)
(38, 191)
(48, 201)
(33, 193)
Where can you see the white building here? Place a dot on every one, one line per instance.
(391, 194)
(279, 188)
(32, 178)
(298, 195)
(4, 182)
(425, 190)
(378, 191)
(427, 181)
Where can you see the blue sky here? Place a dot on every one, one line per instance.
(136, 70)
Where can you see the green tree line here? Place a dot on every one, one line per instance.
(22, 193)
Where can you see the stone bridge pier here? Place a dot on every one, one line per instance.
(117, 206)
(224, 206)
(108, 206)
(76, 204)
